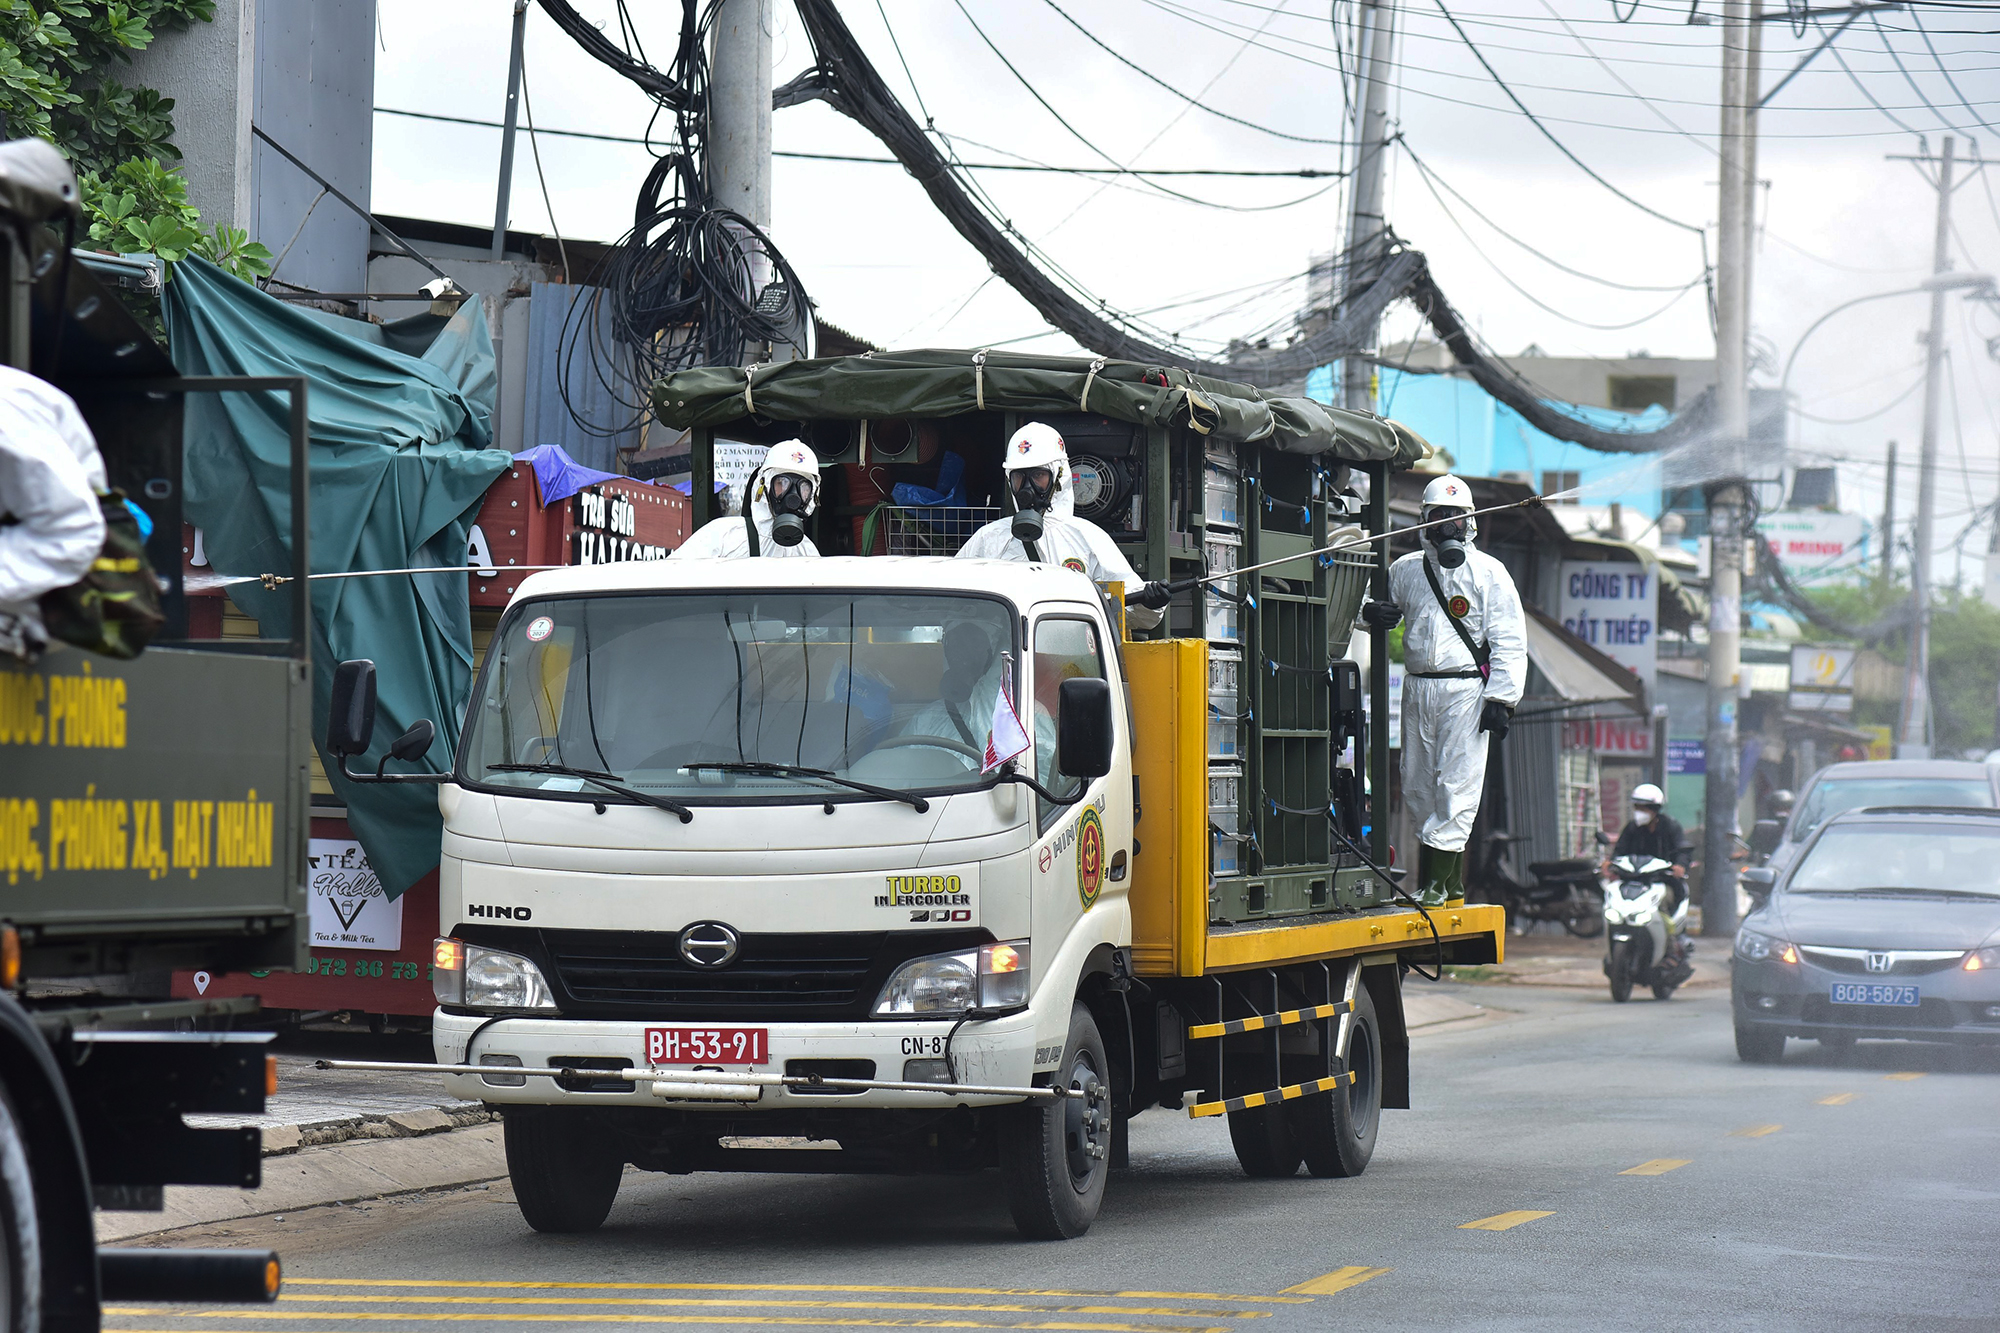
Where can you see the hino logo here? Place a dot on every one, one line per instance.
(710, 945)
(1880, 962)
(500, 913)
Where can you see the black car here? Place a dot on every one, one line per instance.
(1886, 924)
(1877, 782)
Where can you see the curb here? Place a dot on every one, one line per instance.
(280, 1140)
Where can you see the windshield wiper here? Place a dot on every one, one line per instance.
(756, 768)
(604, 780)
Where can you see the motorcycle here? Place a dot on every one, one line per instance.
(1564, 891)
(1645, 945)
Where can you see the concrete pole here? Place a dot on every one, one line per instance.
(739, 125)
(1365, 214)
(1889, 523)
(1913, 739)
(507, 134)
(1726, 498)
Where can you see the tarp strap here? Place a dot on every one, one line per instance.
(749, 378)
(979, 378)
(1083, 403)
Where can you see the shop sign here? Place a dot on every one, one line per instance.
(1614, 607)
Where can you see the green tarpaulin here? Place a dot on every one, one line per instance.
(400, 417)
(946, 383)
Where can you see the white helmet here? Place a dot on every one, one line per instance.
(1647, 794)
(1447, 492)
(1034, 446)
(788, 458)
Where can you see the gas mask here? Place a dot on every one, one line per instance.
(1448, 539)
(1641, 815)
(790, 497)
(1033, 489)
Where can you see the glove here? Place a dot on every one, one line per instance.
(1152, 596)
(1384, 616)
(1495, 717)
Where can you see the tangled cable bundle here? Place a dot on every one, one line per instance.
(691, 284)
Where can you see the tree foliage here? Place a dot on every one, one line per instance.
(55, 85)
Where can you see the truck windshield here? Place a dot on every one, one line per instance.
(687, 694)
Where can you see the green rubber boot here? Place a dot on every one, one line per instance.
(1433, 870)
(1454, 878)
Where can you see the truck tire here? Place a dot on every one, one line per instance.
(20, 1233)
(1056, 1156)
(564, 1180)
(1265, 1147)
(1336, 1130)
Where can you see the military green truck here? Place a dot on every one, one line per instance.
(153, 815)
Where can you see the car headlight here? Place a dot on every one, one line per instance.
(992, 976)
(1980, 960)
(1759, 948)
(474, 977)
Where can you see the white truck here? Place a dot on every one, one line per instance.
(735, 878)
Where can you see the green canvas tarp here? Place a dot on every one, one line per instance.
(400, 416)
(945, 383)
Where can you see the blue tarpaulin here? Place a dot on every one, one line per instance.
(400, 416)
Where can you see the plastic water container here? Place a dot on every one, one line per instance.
(1220, 491)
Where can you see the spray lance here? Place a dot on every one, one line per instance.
(1357, 543)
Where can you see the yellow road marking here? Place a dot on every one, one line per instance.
(1904, 1077)
(1754, 1131)
(459, 1283)
(1659, 1166)
(811, 1321)
(677, 1302)
(1340, 1279)
(1839, 1099)
(1503, 1221)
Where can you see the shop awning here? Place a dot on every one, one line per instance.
(1578, 672)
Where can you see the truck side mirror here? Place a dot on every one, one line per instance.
(350, 722)
(1083, 728)
(1757, 881)
(1765, 836)
(414, 743)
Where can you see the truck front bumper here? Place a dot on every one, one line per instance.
(995, 1052)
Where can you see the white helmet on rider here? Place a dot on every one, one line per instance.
(1449, 499)
(1647, 794)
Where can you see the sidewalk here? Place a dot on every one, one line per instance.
(1559, 959)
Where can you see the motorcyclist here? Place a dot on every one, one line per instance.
(1044, 526)
(1464, 666)
(782, 495)
(1652, 832)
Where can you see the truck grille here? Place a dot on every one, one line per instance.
(641, 974)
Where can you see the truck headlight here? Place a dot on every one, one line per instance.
(473, 977)
(992, 976)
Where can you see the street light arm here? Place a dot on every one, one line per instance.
(1785, 379)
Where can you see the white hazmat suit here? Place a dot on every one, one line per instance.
(729, 538)
(50, 477)
(1444, 750)
(1066, 540)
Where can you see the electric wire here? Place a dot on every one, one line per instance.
(1945, 70)
(1883, 410)
(1649, 103)
(1833, 49)
(535, 147)
(1910, 78)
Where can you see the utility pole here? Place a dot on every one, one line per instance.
(1727, 497)
(507, 134)
(1913, 737)
(1888, 537)
(739, 129)
(1366, 222)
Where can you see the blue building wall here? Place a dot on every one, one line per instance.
(1485, 437)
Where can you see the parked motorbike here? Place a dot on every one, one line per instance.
(1564, 891)
(1645, 945)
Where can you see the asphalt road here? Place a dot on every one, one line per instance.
(1623, 1171)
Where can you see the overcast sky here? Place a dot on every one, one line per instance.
(1635, 101)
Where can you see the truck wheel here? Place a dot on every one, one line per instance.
(20, 1233)
(564, 1179)
(1335, 1131)
(1056, 1156)
(1263, 1141)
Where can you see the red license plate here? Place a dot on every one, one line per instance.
(707, 1046)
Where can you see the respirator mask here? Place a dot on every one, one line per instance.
(1449, 538)
(1641, 815)
(1033, 489)
(790, 497)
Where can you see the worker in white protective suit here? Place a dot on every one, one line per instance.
(1044, 527)
(51, 525)
(1465, 662)
(782, 495)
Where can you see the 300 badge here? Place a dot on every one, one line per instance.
(1089, 857)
